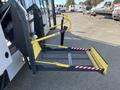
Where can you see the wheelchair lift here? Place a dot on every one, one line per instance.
(46, 57)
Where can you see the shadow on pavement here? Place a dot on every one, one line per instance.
(108, 17)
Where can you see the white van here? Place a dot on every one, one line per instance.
(103, 8)
(116, 12)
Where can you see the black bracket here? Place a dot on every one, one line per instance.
(62, 31)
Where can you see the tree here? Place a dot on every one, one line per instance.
(70, 2)
(81, 2)
(93, 2)
(116, 1)
(87, 2)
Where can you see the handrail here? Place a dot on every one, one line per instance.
(67, 18)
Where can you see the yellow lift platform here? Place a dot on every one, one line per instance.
(69, 63)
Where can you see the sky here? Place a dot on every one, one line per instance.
(64, 1)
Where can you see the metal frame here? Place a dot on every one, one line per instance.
(98, 62)
(53, 11)
(47, 4)
(41, 65)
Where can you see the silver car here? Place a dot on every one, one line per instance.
(116, 13)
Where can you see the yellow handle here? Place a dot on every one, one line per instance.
(46, 37)
(54, 34)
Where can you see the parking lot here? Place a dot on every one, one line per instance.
(87, 31)
(98, 28)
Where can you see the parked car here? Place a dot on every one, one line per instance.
(87, 12)
(92, 12)
(63, 10)
(57, 11)
(104, 8)
(116, 13)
